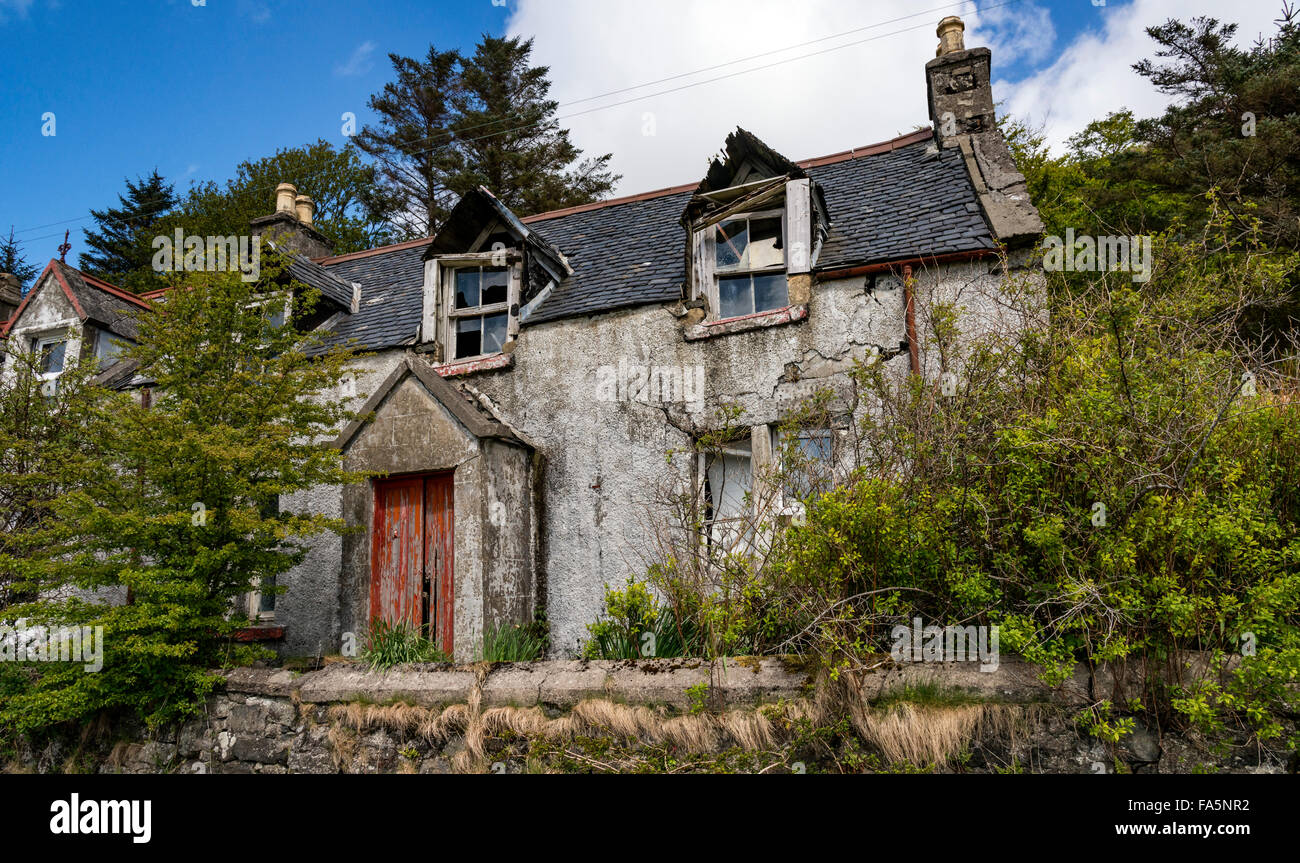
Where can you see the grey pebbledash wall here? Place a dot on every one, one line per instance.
(597, 463)
(595, 716)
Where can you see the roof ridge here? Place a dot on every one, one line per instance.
(816, 162)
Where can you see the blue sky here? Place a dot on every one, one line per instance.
(194, 90)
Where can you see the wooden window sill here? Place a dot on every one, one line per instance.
(745, 323)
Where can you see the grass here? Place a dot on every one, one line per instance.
(390, 644)
(512, 644)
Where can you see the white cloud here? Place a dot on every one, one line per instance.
(1094, 76)
(358, 63)
(808, 107)
(860, 94)
(1014, 33)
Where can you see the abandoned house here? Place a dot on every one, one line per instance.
(525, 377)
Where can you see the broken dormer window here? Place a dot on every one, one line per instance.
(750, 264)
(479, 313)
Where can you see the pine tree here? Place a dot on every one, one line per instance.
(12, 260)
(449, 124)
(121, 241)
(510, 139)
(412, 144)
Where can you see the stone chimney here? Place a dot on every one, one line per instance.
(959, 83)
(290, 226)
(11, 295)
(305, 208)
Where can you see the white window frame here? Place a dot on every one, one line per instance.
(443, 271)
(39, 343)
(794, 207)
(255, 612)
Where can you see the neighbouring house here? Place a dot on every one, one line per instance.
(525, 377)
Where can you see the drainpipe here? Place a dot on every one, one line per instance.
(911, 320)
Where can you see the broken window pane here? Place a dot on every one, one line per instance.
(764, 248)
(468, 333)
(734, 296)
(494, 333)
(495, 285)
(732, 237)
(770, 292)
(467, 288)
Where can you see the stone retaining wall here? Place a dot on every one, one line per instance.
(747, 715)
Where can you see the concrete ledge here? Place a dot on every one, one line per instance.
(735, 682)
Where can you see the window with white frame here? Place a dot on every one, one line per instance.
(744, 253)
(479, 314)
(749, 262)
(805, 458)
(51, 353)
(728, 482)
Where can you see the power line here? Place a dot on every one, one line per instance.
(452, 136)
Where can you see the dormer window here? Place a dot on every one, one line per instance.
(480, 315)
(483, 272)
(51, 353)
(748, 242)
(750, 264)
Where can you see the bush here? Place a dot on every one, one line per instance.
(634, 626)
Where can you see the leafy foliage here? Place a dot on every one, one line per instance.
(120, 241)
(389, 644)
(165, 509)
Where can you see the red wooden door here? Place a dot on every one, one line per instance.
(439, 555)
(412, 554)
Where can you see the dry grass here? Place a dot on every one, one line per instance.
(927, 734)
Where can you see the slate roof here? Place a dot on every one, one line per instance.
(911, 202)
(901, 199)
(392, 284)
(96, 301)
(332, 285)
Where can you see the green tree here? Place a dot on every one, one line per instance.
(175, 513)
(1234, 124)
(509, 137)
(340, 185)
(12, 260)
(411, 143)
(449, 124)
(120, 241)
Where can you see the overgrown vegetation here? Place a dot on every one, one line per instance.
(514, 642)
(164, 503)
(1104, 468)
(388, 644)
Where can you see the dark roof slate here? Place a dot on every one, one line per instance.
(331, 284)
(908, 202)
(392, 285)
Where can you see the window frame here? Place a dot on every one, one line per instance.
(446, 268)
(481, 311)
(793, 201)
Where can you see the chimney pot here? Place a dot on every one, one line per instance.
(306, 208)
(950, 35)
(284, 197)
